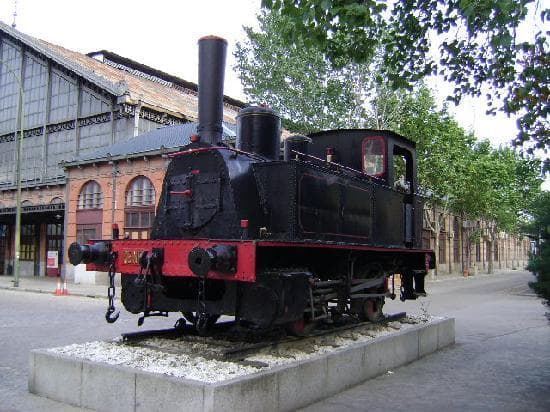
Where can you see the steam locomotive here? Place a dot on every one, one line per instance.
(240, 231)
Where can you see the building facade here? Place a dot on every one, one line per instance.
(469, 247)
(69, 105)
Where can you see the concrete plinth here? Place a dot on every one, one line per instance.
(103, 387)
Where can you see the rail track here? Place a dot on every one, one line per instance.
(227, 341)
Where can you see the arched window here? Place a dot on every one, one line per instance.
(89, 214)
(26, 203)
(56, 201)
(91, 196)
(141, 193)
(140, 208)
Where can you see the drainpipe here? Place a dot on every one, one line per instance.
(114, 191)
(136, 118)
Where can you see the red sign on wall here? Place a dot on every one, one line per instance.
(52, 263)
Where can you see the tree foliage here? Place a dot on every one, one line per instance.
(503, 186)
(298, 81)
(443, 147)
(463, 176)
(458, 174)
(476, 42)
(539, 227)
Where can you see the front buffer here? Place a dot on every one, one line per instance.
(203, 279)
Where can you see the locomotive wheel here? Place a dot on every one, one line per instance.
(299, 327)
(372, 310)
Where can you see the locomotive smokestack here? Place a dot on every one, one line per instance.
(212, 52)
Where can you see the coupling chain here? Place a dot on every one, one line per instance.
(111, 316)
(202, 315)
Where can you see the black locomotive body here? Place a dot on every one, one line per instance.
(271, 241)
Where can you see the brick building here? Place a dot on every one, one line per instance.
(472, 246)
(121, 184)
(72, 106)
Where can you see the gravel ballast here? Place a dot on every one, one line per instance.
(176, 358)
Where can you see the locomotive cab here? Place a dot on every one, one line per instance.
(380, 154)
(388, 161)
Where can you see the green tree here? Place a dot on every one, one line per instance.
(298, 81)
(539, 227)
(463, 176)
(509, 186)
(444, 152)
(476, 41)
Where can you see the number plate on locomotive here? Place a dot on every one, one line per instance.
(130, 257)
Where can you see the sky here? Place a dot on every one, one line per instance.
(163, 34)
(159, 33)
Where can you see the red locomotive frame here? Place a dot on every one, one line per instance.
(175, 263)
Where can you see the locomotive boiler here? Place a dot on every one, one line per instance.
(269, 239)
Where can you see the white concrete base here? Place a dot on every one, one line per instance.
(103, 387)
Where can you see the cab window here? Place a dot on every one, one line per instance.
(374, 156)
(402, 169)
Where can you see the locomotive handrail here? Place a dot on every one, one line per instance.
(206, 149)
(338, 165)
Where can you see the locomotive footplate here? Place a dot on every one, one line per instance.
(223, 259)
(260, 282)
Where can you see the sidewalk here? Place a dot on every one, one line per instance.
(46, 284)
(454, 276)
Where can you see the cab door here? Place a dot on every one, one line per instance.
(403, 178)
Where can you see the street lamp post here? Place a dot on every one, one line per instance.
(19, 145)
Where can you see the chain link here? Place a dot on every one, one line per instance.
(202, 315)
(201, 296)
(111, 316)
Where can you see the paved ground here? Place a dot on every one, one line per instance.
(49, 285)
(41, 320)
(501, 360)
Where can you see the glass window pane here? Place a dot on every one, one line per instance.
(144, 219)
(91, 196)
(373, 156)
(140, 193)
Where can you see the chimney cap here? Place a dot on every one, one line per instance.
(213, 37)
